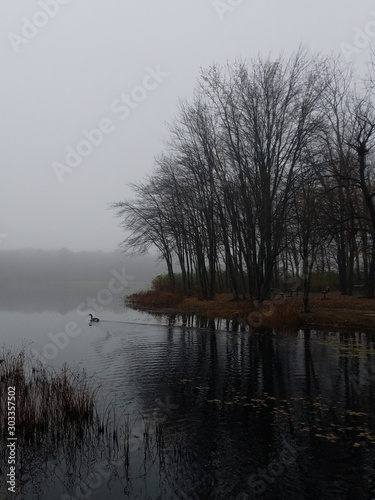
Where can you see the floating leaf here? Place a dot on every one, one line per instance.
(330, 437)
(356, 413)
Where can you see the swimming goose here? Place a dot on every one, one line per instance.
(94, 320)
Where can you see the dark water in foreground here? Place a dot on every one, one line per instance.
(230, 415)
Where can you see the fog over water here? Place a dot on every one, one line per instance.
(41, 280)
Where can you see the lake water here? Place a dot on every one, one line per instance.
(228, 415)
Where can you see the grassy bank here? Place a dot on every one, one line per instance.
(335, 312)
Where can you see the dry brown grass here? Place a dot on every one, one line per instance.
(47, 403)
(153, 298)
(336, 311)
(335, 300)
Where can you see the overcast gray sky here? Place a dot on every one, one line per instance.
(68, 67)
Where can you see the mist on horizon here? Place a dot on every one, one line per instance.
(59, 280)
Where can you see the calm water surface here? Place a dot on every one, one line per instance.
(231, 415)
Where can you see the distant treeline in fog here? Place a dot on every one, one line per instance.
(34, 266)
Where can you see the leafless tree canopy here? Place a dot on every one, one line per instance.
(268, 173)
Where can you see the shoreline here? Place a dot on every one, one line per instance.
(336, 312)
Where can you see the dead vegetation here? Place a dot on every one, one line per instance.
(336, 311)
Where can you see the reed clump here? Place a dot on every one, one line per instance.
(62, 423)
(50, 406)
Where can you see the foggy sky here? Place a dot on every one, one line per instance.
(75, 72)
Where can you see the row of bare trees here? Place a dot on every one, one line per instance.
(268, 172)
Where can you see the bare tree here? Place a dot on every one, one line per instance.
(144, 218)
(263, 147)
(310, 227)
(267, 114)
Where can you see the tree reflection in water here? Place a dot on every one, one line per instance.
(243, 415)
